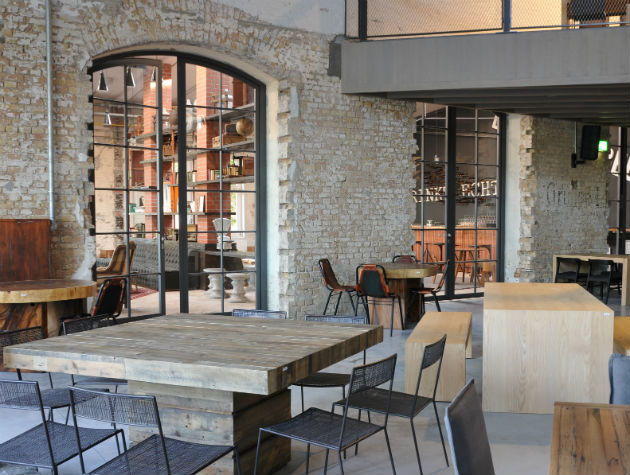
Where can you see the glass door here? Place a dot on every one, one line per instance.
(128, 204)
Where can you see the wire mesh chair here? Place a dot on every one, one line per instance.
(53, 398)
(402, 404)
(466, 431)
(48, 444)
(323, 379)
(332, 431)
(372, 282)
(247, 312)
(333, 285)
(156, 454)
(77, 325)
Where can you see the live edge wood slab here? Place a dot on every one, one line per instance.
(544, 343)
(217, 379)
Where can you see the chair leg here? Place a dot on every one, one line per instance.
(391, 325)
(338, 300)
(389, 449)
(437, 302)
(340, 462)
(325, 462)
(422, 306)
(308, 455)
(238, 462)
(302, 394)
(415, 443)
(402, 319)
(327, 301)
(440, 429)
(257, 452)
(351, 301)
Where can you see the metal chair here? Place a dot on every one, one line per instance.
(421, 293)
(323, 379)
(77, 325)
(372, 282)
(48, 444)
(156, 454)
(246, 312)
(568, 270)
(402, 404)
(53, 398)
(334, 287)
(467, 436)
(600, 274)
(405, 258)
(332, 431)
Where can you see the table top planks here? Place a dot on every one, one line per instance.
(590, 438)
(45, 290)
(547, 297)
(249, 355)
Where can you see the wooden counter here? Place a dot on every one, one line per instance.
(543, 343)
(217, 379)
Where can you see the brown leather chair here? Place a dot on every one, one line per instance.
(118, 264)
(372, 282)
(334, 287)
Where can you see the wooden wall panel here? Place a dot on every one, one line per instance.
(24, 249)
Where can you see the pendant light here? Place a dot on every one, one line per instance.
(102, 84)
(129, 79)
(153, 78)
(108, 119)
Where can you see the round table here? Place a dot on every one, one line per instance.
(409, 270)
(30, 303)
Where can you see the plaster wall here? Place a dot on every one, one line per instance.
(512, 197)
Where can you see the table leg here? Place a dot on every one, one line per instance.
(221, 417)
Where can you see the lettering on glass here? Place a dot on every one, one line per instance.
(479, 189)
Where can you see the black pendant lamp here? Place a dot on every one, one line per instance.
(102, 84)
(129, 79)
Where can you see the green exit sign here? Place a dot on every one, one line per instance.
(603, 146)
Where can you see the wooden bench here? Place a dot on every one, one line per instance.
(621, 335)
(458, 329)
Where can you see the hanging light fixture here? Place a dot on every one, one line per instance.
(129, 79)
(107, 120)
(102, 84)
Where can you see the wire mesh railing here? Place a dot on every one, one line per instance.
(367, 19)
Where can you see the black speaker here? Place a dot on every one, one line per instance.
(590, 142)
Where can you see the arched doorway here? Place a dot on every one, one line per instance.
(179, 182)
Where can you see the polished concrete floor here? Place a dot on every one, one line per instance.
(519, 442)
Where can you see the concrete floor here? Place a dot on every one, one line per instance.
(519, 442)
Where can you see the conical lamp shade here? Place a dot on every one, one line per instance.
(129, 79)
(154, 75)
(107, 120)
(102, 84)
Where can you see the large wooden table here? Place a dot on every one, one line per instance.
(217, 378)
(402, 276)
(28, 303)
(544, 343)
(624, 260)
(590, 438)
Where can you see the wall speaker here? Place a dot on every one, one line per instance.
(590, 142)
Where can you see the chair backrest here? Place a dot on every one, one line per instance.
(440, 283)
(619, 376)
(117, 265)
(600, 268)
(467, 436)
(15, 337)
(77, 325)
(372, 281)
(247, 312)
(17, 394)
(432, 354)
(568, 265)
(116, 408)
(405, 258)
(110, 298)
(329, 277)
(352, 319)
(366, 377)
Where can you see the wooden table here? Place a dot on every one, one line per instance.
(401, 277)
(590, 438)
(29, 303)
(217, 378)
(624, 260)
(544, 343)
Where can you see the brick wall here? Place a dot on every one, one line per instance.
(563, 209)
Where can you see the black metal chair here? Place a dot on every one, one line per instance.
(568, 270)
(467, 436)
(334, 287)
(77, 325)
(600, 274)
(109, 301)
(53, 398)
(332, 431)
(156, 454)
(422, 293)
(246, 312)
(402, 404)
(372, 282)
(48, 444)
(323, 379)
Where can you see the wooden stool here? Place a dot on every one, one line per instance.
(458, 329)
(487, 272)
(621, 335)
